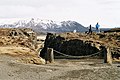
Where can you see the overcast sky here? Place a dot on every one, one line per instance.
(106, 12)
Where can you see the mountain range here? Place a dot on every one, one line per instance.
(39, 25)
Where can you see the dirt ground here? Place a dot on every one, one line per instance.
(61, 69)
(20, 61)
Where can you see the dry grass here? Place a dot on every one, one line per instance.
(24, 55)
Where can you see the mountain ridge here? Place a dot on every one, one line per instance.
(39, 25)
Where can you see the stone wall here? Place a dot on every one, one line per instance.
(74, 47)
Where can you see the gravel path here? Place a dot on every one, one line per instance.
(60, 70)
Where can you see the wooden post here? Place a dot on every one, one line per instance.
(50, 55)
(107, 56)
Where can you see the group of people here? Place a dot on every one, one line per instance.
(96, 26)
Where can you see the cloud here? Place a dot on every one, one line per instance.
(35, 3)
(84, 11)
(16, 11)
(107, 2)
(110, 2)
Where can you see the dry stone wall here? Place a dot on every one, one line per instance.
(73, 46)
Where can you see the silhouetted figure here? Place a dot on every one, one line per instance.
(90, 29)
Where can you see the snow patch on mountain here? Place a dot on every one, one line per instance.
(46, 25)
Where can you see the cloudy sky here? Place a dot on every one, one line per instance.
(106, 12)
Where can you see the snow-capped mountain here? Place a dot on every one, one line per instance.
(39, 25)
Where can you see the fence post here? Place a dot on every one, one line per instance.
(50, 55)
(108, 56)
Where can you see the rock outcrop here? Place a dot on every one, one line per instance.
(20, 43)
(18, 37)
(80, 44)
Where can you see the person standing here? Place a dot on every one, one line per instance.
(97, 27)
(90, 29)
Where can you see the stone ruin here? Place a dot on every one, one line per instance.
(78, 44)
(74, 47)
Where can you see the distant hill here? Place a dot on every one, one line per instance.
(113, 30)
(47, 25)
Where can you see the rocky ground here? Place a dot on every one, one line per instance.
(61, 69)
(19, 58)
(20, 43)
